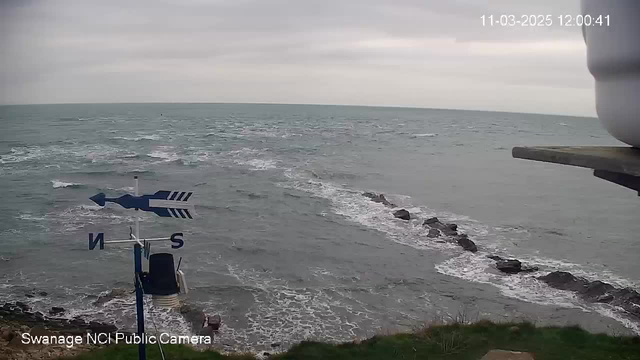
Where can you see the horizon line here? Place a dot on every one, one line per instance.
(295, 104)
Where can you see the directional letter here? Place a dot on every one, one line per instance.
(177, 241)
(93, 243)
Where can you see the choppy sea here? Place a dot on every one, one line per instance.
(285, 247)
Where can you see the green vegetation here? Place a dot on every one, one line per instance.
(450, 342)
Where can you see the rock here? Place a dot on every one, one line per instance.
(529, 269)
(214, 322)
(275, 345)
(56, 310)
(433, 233)
(507, 355)
(266, 354)
(564, 281)
(402, 214)
(113, 294)
(79, 322)
(196, 317)
(38, 316)
(595, 291)
(466, 243)
(8, 334)
(430, 221)
(509, 266)
(23, 306)
(98, 327)
(74, 332)
(43, 293)
(16, 342)
(41, 331)
(378, 199)
(447, 229)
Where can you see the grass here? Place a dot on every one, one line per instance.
(435, 342)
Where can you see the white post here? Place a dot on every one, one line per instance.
(135, 179)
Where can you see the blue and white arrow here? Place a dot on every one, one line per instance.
(163, 203)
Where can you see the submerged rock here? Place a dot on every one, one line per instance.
(402, 214)
(378, 198)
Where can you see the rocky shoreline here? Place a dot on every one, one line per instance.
(589, 291)
(18, 318)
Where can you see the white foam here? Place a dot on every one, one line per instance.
(359, 209)
(477, 268)
(259, 164)
(61, 184)
(18, 155)
(139, 138)
(124, 188)
(166, 156)
(76, 217)
(287, 314)
(424, 135)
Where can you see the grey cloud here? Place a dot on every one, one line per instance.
(95, 47)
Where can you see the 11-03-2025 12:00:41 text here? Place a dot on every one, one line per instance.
(506, 20)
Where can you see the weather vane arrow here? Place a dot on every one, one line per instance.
(163, 203)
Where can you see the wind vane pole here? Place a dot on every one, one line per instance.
(164, 204)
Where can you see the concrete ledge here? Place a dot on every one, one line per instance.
(615, 159)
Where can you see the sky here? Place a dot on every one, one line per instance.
(417, 53)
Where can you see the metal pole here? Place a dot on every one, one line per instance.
(137, 253)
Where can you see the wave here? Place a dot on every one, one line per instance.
(288, 314)
(259, 164)
(57, 184)
(166, 156)
(115, 172)
(423, 135)
(139, 138)
(472, 267)
(18, 155)
(128, 189)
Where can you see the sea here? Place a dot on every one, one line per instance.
(284, 246)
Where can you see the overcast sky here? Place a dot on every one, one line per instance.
(424, 53)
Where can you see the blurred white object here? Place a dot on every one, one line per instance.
(182, 282)
(613, 58)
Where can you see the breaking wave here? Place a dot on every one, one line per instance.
(473, 267)
(57, 184)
